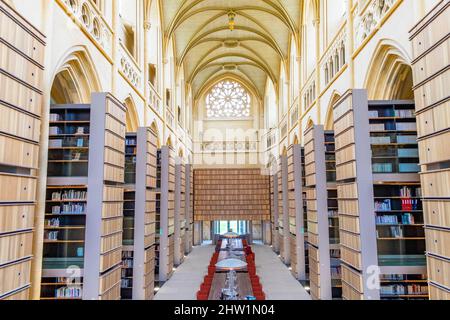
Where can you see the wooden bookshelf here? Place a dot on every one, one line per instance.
(74, 240)
(355, 196)
(305, 281)
(189, 208)
(283, 227)
(387, 128)
(431, 74)
(21, 74)
(274, 209)
(231, 194)
(180, 211)
(167, 214)
(295, 206)
(317, 214)
(138, 256)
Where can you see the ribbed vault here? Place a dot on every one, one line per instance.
(206, 47)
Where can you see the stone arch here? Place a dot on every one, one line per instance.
(132, 118)
(75, 78)
(389, 76)
(329, 120)
(154, 128)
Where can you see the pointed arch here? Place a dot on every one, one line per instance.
(296, 141)
(169, 142)
(329, 120)
(309, 123)
(132, 118)
(154, 128)
(389, 76)
(75, 77)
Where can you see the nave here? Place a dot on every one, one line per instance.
(188, 277)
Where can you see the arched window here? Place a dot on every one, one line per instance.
(342, 53)
(326, 74)
(336, 62)
(228, 99)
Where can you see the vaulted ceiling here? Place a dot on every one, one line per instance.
(207, 48)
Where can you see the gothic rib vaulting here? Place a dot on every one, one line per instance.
(142, 140)
(253, 51)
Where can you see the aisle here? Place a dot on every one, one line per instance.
(276, 279)
(186, 280)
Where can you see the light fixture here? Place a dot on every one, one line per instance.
(156, 289)
(231, 16)
(307, 288)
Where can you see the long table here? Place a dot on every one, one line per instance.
(238, 245)
(243, 283)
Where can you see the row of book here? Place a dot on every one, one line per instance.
(68, 130)
(391, 232)
(402, 113)
(333, 213)
(407, 192)
(392, 126)
(130, 141)
(398, 289)
(388, 167)
(127, 263)
(406, 219)
(401, 277)
(53, 222)
(69, 195)
(68, 117)
(73, 208)
(401, 139)
(51, 235)
(126, 283)
(69, 292)
(60, 143)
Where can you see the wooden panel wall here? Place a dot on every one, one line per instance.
(231, 194)
(21, 72)
(431, 48)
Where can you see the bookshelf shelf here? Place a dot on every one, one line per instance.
(73, 237)
(429, 41)
(322, 208)
(383, 134)
(21, 110)
(296, 213)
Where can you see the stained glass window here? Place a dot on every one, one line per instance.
(228, 99)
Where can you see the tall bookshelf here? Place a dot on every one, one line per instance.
(394, 190)
(304, 230)
(158, 217)
(180, 211)
(138, 255)
(274, 209)
(296, 221)
(129, 208)
(430, 42)
(333, 215)
(83, 252)
(189, 208)
(355, 196)
(21, 72)
(281, 232)
(317, 214)
(166, 245)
